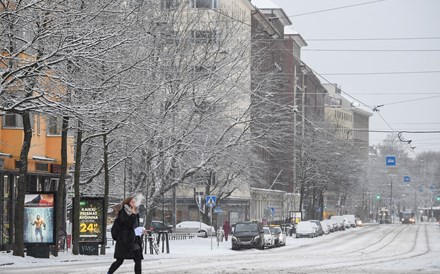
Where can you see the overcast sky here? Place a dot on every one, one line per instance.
(379, 19)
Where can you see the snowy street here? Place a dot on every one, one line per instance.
(372, 249)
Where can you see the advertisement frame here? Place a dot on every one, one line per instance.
(100, 200)
(32, 210)
(295, 216)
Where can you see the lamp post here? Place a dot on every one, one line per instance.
(391, 200)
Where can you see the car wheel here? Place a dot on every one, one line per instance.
(205, 233)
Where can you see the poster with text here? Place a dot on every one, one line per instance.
(91, 220)
(39, 218)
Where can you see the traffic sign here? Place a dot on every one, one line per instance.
(272, 211)
(391, 160)
(211, 200)
(218, 210)
(406, 179)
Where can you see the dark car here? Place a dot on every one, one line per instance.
(407, 217)
(248, 235)
(160, 226)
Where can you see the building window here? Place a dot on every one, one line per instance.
(54, 125)
(203, 4)
(41, 167)
(38, 116)
(12, 120)
(204, 36)
(169, 4)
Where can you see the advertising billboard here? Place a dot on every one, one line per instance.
(39, 218)
(295, 216)
(91, 219)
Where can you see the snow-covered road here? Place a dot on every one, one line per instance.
(371, 249)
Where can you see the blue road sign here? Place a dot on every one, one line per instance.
(211, 201)
(406, 179)
(391, 160)
(272, 211)
(218, 210)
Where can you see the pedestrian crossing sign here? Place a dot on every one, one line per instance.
(211, 201)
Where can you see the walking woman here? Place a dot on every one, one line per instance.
(128, 245)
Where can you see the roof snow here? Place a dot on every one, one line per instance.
(265, 4)
(289, 30)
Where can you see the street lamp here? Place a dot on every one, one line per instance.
(391, 200)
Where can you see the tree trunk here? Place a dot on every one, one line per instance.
(106, 191)
(60, 220)
(301, 200)
(205, 216)
(76, 208)
(313, 211)
(22, 186)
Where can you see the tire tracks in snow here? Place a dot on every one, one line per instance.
(382, 259)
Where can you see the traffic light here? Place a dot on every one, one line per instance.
(378, 197)
(438, 197)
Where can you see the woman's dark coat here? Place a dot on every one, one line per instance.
(127, 238)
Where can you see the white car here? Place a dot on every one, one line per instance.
(326, 226)
(279, 235)
(351, 220)
(306, 229)
(269, 240)
(340, 220)
(202, 229)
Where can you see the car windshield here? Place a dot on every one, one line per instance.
(246, 227)
(266, 230)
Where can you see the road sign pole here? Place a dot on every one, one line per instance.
(211, 226)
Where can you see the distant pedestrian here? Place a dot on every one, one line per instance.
(227, 229)
(128, 245)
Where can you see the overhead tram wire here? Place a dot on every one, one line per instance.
(413, 100)
(337, 8)
(383, 73)
(359, 101)
(372, 39)
(369, 107)
(371, 50)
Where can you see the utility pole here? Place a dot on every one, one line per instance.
(391, 200)
(303, 100)
(295, 83)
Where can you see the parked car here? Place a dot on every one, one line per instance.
(287, 228)
(248, 235)
(202, 229)
(269, 239)
(306, 229)
(340, 220)
(359, 222)
(160, 226)
(351, 220)
(334, 224)
(279, 235)
(319, 231)
(326, 226)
